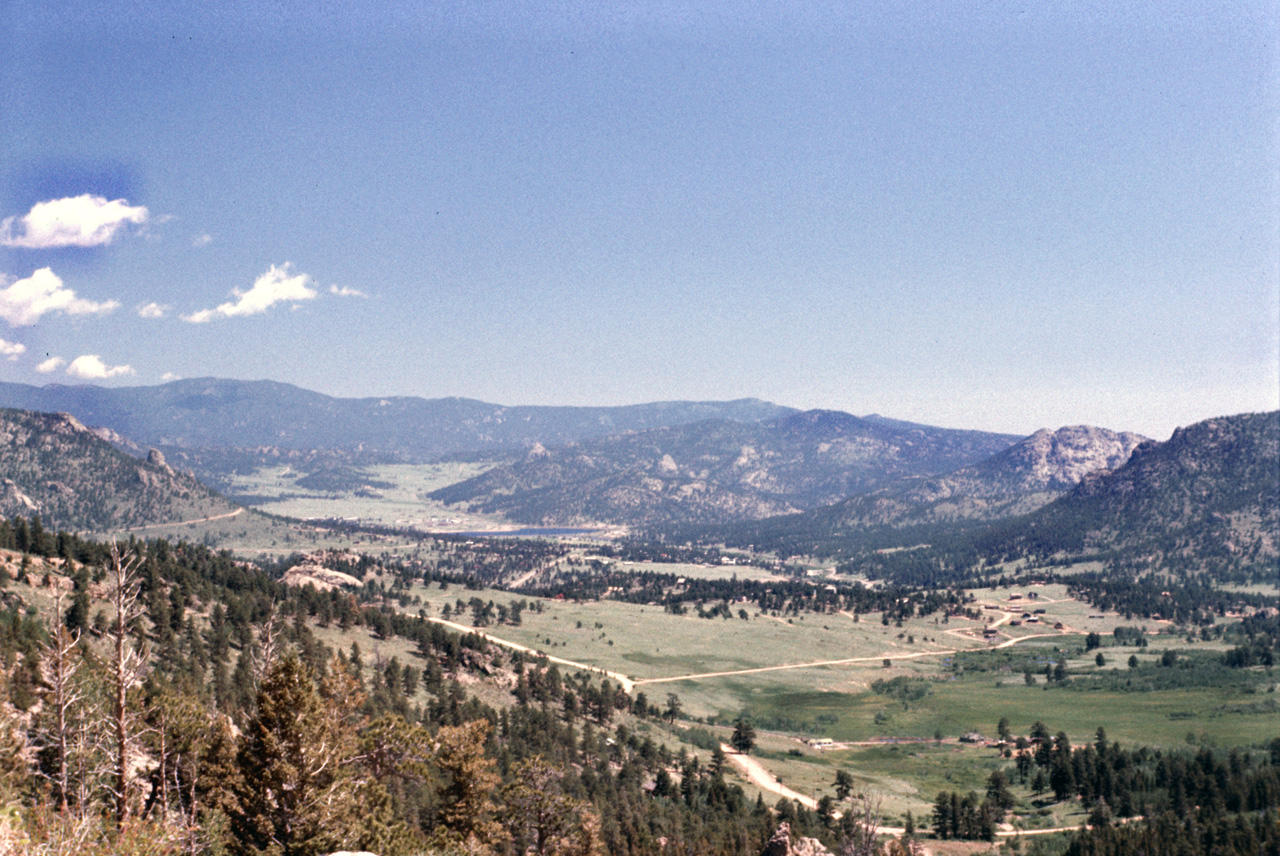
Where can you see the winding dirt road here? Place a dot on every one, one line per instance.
(627, 684)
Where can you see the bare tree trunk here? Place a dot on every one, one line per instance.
(58, 669)
(127, 667)
(866, 815)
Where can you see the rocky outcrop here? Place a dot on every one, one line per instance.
(781, 844)
(324, 579)
(1018, 480)
(156, 459)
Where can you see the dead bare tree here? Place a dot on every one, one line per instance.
(862, 824)
(127, 668)
(63, 698)
(269, 646)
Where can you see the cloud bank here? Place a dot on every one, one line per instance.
(23, 303)
(75, 221)
(153, 310)
(277, 285)
(91, 367)
(50, 365)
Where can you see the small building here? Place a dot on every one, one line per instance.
(972, 737)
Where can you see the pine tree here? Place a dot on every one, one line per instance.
(543, 819)
(466, 796)
(296, 796)
(744, 736)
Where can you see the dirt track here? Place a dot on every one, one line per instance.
(226, 516)
(627, 684)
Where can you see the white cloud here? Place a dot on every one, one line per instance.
(22, 303)
(346, 291)
(153, 310)
(91, 367)
(170, 376)
(277, 285)
(75, 221)
(202, 240)
(11, 350)
(50, 365)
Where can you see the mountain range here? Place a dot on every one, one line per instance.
(1205, 501)
(215, 413)
(718, 471)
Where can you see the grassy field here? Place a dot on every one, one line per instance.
(702, 572)
(254, 535)
(403, 504)
(666, 653)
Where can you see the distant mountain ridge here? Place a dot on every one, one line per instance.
(715, 472)
(218, 413)
(54, 467)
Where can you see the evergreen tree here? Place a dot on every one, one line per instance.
(744, 736)
(296, 796)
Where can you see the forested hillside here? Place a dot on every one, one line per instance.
(718, 471)
(1016, 480)
(54, 467)
(1205, 502)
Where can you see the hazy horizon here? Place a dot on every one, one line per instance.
(989, 216)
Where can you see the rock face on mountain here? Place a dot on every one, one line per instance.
(54, 467)
(1017, 480)
(713, 472)
(1211, 490)
(1056, 460)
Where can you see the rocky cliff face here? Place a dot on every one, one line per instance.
(1058, 460)
(1017, 480)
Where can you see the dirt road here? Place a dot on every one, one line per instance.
(226, 516)
(627, 684)
(889, 655)
(763, 779)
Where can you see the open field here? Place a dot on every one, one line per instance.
(402, 504)
(250, 534)
(702, 572)
(812, 674)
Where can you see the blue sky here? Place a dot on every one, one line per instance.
(986, 215)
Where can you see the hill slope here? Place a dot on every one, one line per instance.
(1016, 480)
(718, 471)
(54, 467)
(219, 414)
(1211, 491)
